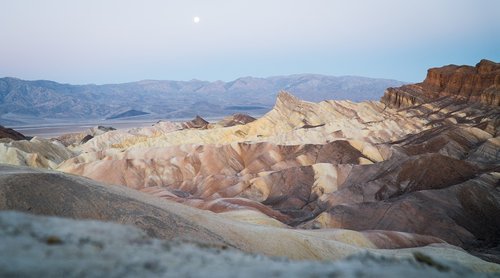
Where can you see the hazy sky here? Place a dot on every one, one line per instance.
(111, 41)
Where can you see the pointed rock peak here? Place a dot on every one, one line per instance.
(487, 62)
(285, 99)
(290, 107)
(199, 120)
(487, 66)
(286, 96)
(243, 117)
(236, 119)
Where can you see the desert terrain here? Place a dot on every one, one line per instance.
(407, 185)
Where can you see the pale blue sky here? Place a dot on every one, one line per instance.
(99, 41)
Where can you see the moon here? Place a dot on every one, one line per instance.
(196, 19)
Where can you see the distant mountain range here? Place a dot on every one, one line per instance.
(24, 101)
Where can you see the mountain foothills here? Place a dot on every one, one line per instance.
(411, 180)
(30, 101)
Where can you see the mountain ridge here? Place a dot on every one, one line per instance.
(41, 99)
(202, 80)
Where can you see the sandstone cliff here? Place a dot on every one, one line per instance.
(465, 83)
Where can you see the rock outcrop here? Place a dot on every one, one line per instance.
(465, 83)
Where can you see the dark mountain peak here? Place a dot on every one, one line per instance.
(11, 134)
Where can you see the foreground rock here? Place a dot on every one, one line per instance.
(33, 246)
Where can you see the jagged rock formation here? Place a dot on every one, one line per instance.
(11, 134)
(425, 161)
